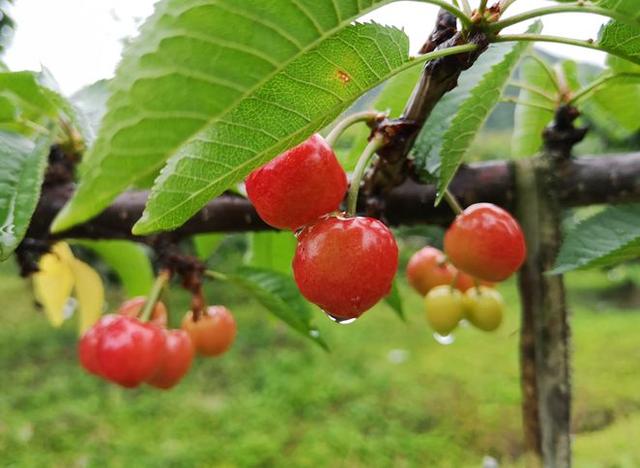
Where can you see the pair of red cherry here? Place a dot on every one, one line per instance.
(123, 349)
(484, 243)
(344, 264)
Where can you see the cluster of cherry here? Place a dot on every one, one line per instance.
(344, 264)
(129, 351)
(483, 245)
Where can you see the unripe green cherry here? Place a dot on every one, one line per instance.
(484, 308)
(444, 307)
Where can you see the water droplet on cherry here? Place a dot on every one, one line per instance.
(444, 339)
(340, 320)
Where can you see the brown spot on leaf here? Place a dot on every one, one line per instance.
(344, 76)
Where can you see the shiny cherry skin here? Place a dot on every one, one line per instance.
(345, 265)
(178, 356)
(486, 242)
(88, 344)
(444, 308)
(213, 333)
(129, 351)
(299, 186)
(133, 307)
(428, 268)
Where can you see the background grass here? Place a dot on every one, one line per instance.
(388, 394)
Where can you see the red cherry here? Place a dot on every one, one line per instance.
(214, 331)
(133, 307)
(486, 242)
(428, 268)
(87, 346)
(345, 265)
(466, 282)
(177, 359)
(299, 186)
(129, 351)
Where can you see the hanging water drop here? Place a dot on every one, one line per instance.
(340, 320)
(444, 339)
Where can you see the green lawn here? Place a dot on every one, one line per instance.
(388, 394)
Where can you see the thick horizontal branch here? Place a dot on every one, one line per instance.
(586, 181)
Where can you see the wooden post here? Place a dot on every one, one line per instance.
(545, 333)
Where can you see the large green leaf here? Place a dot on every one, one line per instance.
(392, 98)
(607, 238)
(613, 107)
(530, 120)
(454, 122)
(308, 94)
(279, 294)
(200, 64)
(271, 250)
(627, 8)
(620, 39)
(31, 103)
(128, 260)
(22, 165)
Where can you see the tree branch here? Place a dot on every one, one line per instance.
(585, 181)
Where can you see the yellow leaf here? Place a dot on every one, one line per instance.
(53, 284)
(63, 251)
(90, 293)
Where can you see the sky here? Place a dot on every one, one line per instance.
(80, 41)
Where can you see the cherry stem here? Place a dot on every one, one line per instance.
(452, 202)
(363, 162)
(156, 290)
(370, 117)
(577, 7)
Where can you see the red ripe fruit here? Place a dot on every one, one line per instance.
(299, 186)
(486, 242)
(88, 344)
(133, 307)
(129, 351)
(466, 282)
(214, 331)
(345, 265)
(177, 359)
(428, 268)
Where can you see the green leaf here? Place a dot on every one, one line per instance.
(394, 300)
(620, 39)
(74, 115)
(607, 238)
(30, 101)
(392, 98)
(613, 106)
(279, 294)
(627, 8)
(453, 124)
(128, 260)
(530, 121)
(271, 251)
(203, 64)
(22, 165)
(309, 93)
(91, 101)
(206, 244)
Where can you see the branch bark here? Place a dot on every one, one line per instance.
(585, 181)
(545, 333)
